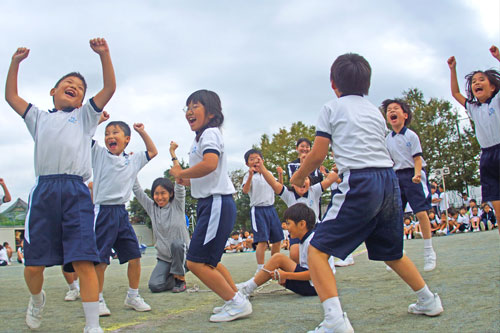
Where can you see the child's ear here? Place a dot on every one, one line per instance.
(52, 91)
(302, 224)
(127, 140)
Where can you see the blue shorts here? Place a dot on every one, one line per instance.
(418, 195)
(216, 216)
(367, 209)
(266, 224)
(113, 230)
(489, 171)
(300, 287)
(59, 226)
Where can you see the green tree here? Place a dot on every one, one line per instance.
(444, 142)
(137, 212)
(242, 201)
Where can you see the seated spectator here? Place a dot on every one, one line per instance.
(472, 204)
(234, 243)
(462, 223)
(434, 221)
(286, 241)
(9, 250)
(443, 225)
(466, 200)
(247, 241)
(435, 200)
(4, 259)
(488, 219)
(475, 218)
(20, 252)
(408, 228)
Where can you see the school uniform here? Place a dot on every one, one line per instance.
(316, 175)
(357, 130)
(114, 177)
(216, 210)
(404, 147)
(266, 224)
(486, 117)
(59, 226)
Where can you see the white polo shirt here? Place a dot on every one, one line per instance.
(303, 250)
(62, 139)
(114, 176)
(310, 199)
(357, 131)
(486, 117)
(403, 147)
(261, 193)
(218, 181)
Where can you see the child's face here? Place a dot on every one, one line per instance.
(295, 229)
(395, 115)
(303, 148)
(197, 116)
(482, 89)
(433, 190)
(115, 139)
(407, 221)
(253, 161)
(487, 208)
(302, 189)
(161, 196)
(246, 234)
(462, 211)
(69, 93)
(443, 218)
(283, 226)
(432, 215)
(474, 210)
(472, 204)
(235, 237)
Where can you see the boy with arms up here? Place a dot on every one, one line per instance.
(60, 221)
(405, 150)
(300, 221)
(368, 181)
(266, 224)
(114, 177)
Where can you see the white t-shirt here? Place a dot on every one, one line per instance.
(3, 255)
(62, 139)
(357, 131)
(435, 196)
(114, 176)
(443, 204)
(310, 199)
(304, 248)
(218, 181)
(486, 119)
(403, 147)
(261, 193)
(463, 219)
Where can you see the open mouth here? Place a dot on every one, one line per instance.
(112, 144)
(70, 93)
(393, 117)
(191, 120)
(478, 89)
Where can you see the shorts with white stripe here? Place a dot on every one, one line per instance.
(489, 171)
(216, 216)
(266, 224)
(367, 208)
(417, 194)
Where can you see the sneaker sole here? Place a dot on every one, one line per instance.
(429, 314)
(245, 313)
(138, 310)
(105, 314)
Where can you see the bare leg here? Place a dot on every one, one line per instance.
(405, 268)
(33, 275)
(294, 253)
(212, 278)
(89, 284)
(134, 273)
(321, 274)
(425, 224)
(496, 207)
(260, 252)
(277, 261)
(275, 247)
(227, 276)
(100, 269)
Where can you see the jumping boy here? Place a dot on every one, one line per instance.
(266, 224)
(405, 150)
(60, 221)
(114, 177)
(368, 181)
(300, 221)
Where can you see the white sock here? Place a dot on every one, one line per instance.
(37, 299)
(428, 246)
(332, 309)
(424, 294)
(72, 286)
(101, 297)
(77, 284)
(238, 299)
(132, 292)
(251, 283)
(259, 267)
(91, 310)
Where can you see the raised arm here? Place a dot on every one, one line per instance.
(150, 146)
(206, 166)
(17, 103)
(494, 52)
(173, 147)
(455, 90)
(142, 197)
(279, 170)
(6, 197)
(104, 117)
(275, 185)
(248, 183)
(100, 47)
(312, 161)
(331, 178)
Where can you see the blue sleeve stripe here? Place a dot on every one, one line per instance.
(94, 106)
(213, 151)
(418, 154)
(147, 156)
(324, 135)
(27, 109)
(282, 190)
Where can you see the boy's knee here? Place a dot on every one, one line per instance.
(177, 246)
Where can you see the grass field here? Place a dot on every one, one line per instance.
(467, 278)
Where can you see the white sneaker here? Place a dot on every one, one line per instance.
(388, 268)
(418, 235)
(72, 295)
(490, 225)
(482, 226)
(217, 309)
(93, 330)
(244, 289)
(231, 312)
(103, 309)
(137, 303)
(343, 263)
(34, 313)
(429, 261)
(341, 325)
(431, 308)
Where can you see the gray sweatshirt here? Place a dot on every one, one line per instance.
(169, 222)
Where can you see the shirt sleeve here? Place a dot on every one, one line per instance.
(180, 196)
(146, 202)
(31, 116)
(139, 160)
(287, 196)
(416, 148)
(245, 178)
(211, 141)
(323, 127)
(97, 151)
(89, 115)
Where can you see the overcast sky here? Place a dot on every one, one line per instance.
(269, 62)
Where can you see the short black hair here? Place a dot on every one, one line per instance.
(473, 200)
(123, 126)
(299, 212)
(234, 233)
(351, 74)
(5, 243)
(250, 152)
(493, 77)
(306, 140)
(77, 75)
(166, 184)
(404, 106)
(211, 101)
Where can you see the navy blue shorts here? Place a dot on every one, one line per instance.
(300, 287)
(367, 209)
(489, 171)
(266, 224)
(113, 230)
(215, 221)
(418, 195)
(59, 226)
